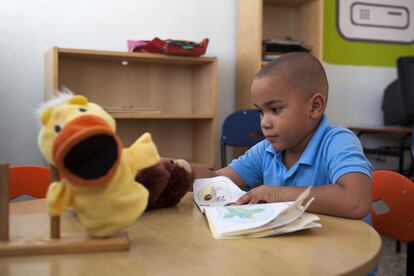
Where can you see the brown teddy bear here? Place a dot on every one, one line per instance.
(167, 182)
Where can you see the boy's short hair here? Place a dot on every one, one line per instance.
(300, 69)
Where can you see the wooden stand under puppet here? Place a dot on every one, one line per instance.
(99, 177)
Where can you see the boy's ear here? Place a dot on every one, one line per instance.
(318, 103)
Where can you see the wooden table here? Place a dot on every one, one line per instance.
(177, 241)
(397, 130)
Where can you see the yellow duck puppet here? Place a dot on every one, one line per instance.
(98, 175)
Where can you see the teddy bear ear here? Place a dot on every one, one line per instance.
(44, 117)
(79, 99)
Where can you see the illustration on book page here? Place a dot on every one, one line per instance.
(215, 193)
(246, 213)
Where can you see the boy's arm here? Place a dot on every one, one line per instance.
(198, 172)
(350, 197)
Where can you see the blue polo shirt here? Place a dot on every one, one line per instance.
(331, 153)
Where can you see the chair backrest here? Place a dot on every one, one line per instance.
(28, 180)
(240, 129)
(393, 205)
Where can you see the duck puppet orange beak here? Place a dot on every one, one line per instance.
(87, 151)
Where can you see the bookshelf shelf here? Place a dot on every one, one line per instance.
(173, 98)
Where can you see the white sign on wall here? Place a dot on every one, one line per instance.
(376, 20)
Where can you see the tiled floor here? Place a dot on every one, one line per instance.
(392, 263)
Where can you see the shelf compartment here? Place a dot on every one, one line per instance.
(155, 116)
(189, 139)
(164, 87)
(172, 97)
(301, 20)
(135, 81)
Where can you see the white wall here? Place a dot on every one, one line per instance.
(355, 93)
(29, 28)
(355, 97)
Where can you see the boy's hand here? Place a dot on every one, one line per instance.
(261, 194)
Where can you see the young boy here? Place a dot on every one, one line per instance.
(300, 148)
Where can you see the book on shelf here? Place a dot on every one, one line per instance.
(216, 197)
(286, 44)
(272, 47)
(270, 57)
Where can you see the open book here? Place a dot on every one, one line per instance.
(214, 196)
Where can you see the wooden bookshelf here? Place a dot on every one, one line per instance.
(172, 97)
(260, 19)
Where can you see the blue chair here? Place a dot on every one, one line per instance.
(240, 129)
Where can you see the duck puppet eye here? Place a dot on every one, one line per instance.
(58, 128)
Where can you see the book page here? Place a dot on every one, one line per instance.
(215, 191)
(231, 220)
(305, 221)
(288, 215)
(293, 212)
(260, 220)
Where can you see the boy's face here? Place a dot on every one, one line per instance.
(284, 112)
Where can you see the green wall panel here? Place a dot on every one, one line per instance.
(338, 50)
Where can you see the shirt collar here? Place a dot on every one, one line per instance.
(308, 156)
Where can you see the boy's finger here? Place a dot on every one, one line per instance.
(253, 201)
(243, 200)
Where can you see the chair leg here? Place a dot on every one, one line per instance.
(410, 258)
(223, 154)
(4, 202)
